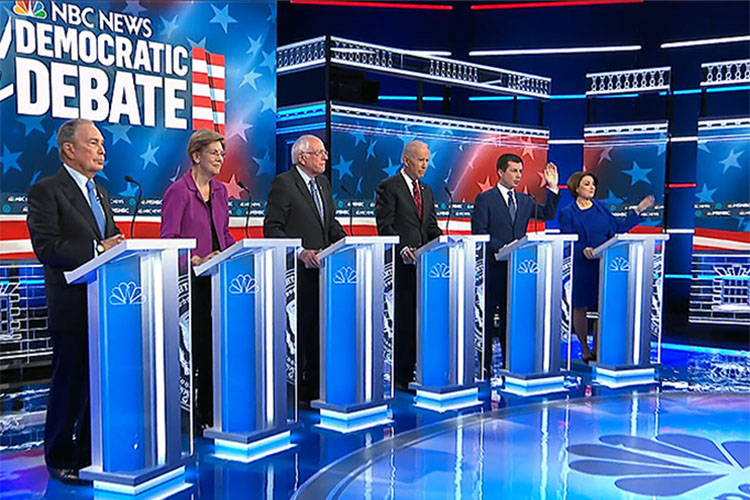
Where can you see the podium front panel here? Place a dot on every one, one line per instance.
(522, 296)
(434, 305)
(614, 319)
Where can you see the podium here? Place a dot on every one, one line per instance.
(535, 312)
(134, 372)
(353, 337)
(449, 269)
(627, 275)
(252, 284)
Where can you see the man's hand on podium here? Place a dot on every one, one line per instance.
(112, 241)
(197, 261)
(310, 258)
(588, 252)
(407, 254)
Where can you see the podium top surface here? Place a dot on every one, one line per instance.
(504, 252)
(85, 273)
(628, 238)
(358, 241)
(244, 247)
(451, 239)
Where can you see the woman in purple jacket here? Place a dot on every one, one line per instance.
(594, 224)
(195, 206)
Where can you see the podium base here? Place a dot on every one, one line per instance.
(352, 418)
(622, 376)
(253, 446)
(535, 384)
(442, 399)
(169, 477)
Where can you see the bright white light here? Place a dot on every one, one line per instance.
(338, 415)
(445, 396)
(268, 285)
(547, 307)
(134, 490)
(638, 304)
(460, 309)
(705, 41)
(557, 50)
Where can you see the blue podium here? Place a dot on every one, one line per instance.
(134, 333)
(252, 284)
(630, 274)
(536, 310)
(449, 270)
(353, 333)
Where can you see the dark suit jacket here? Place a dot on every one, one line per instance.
(491, 216)
(291, 212)
(396, 213)
(63, 230)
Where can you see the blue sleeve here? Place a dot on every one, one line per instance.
(622, 225)
(480, 222)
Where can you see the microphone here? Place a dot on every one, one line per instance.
(247, 212)
(450, 208)
(536, 212)
(138, 200)
(351, 209)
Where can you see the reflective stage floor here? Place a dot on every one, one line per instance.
(687, 438)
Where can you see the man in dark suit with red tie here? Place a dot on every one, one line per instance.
(404, 206)
(504, 214)
(70, 221)
(300, 205)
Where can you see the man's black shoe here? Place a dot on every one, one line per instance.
(67, 476)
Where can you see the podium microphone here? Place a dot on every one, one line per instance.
(450, 208)
(138, 201)
(536, 211)
(351, 209)
(247, 211)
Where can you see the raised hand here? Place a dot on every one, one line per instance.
(551, 175)
(645, 203)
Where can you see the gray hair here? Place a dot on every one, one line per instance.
(410, 148)
(67, 133)
(301, 144)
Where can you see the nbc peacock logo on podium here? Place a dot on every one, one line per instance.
(73, 61)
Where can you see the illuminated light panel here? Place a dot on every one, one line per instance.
(705, 41)
(388, 5)
(446, 396)
(250, 452)
(139, 488)
(348, 426)
(555, 50)
(562, 3)
(355, 415)
(442, 407)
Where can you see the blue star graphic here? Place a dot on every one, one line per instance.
(358, 137)
(200, 44)
(269, 60)
(31, 123)
(706, 195)
(52, 141)
(731, 160)
(101, 173)
(34, 177)
(119, 133)
(343, 167)
(743, 223)
(638, 174)
(406, 139)
(371, 150)
(150, 156)
(272, 15)
(265, 165)
(448, 176)
(703, 146)
(134, 7)
(392, 169)
(255, 44)
(130, 191)
(249, 79)
(222, 17)
(10, 160)
(662, 148)
(269, 102)
(431, 163)
(359, 185)
(169, 26)
(612, 199)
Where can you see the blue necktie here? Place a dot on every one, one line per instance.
(512, 206)
(96, 207)
(316, 198)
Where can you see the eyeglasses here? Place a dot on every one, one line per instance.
(216, 154)
(320, 152)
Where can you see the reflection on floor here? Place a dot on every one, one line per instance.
(688, 438)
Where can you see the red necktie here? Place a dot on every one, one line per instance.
(417, 199)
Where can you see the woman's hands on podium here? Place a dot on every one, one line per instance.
(197, 261)
(645, 203)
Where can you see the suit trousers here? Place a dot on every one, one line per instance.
(201, 338)
(308, 335)
(67, 429)
(495, 303)
(405, 319)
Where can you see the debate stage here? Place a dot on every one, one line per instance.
(687, 438)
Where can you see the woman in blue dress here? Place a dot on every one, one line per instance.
(594, 224)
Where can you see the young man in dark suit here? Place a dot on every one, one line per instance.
(504, 214)
(300, 205)
(404, 206)
(70, 221)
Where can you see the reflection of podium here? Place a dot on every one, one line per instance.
(134, 365)
(535, 312)
(251, 284)
(352, 332)
(626, 285)
(448, 269)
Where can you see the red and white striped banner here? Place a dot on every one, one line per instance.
(208, 91)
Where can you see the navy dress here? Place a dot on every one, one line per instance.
(594, 226)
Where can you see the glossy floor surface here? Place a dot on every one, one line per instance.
(687, 438)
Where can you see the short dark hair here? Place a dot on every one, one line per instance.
(502, 162)
(574, 181)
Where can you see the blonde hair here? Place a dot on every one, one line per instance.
(202, 138)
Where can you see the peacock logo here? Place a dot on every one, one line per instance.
(345, 276)
(125, 294)
(30, 8)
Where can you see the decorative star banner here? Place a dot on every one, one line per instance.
(630, 163)
(722, 193)
(146, 73)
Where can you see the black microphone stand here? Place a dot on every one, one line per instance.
(247, 211)
(138, 201)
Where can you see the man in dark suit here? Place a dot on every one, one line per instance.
(504, 214)
(70, 221)
(404, 206)
(300, 205)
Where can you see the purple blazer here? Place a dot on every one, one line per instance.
(184, 214)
